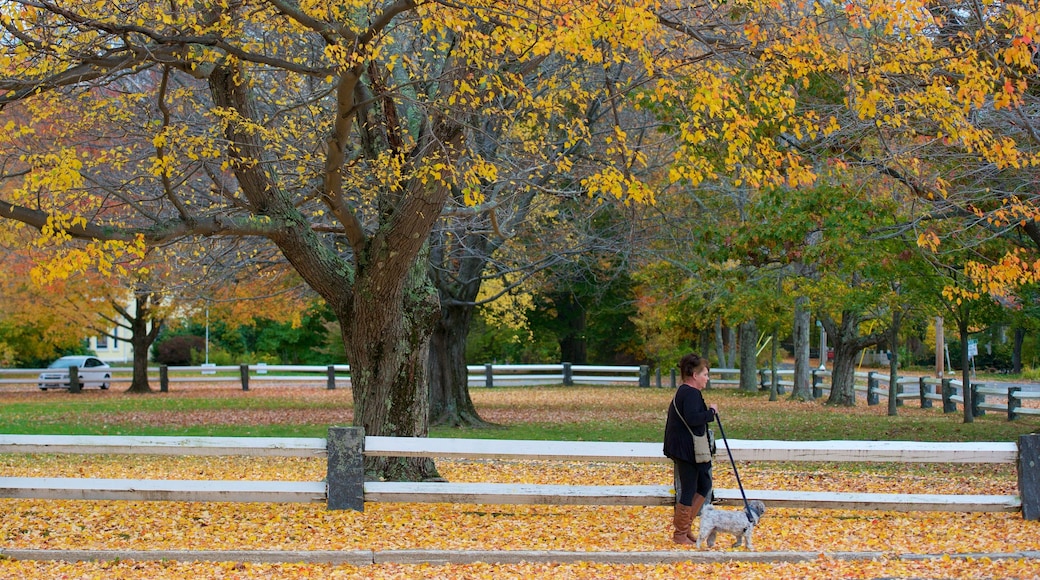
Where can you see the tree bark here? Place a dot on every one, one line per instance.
(847, 345)
(388, 349)
(748, 332)
(802, 389)
(450, 402)
(144, 329)
(1016, 351)
(720, 344)
(962, 331)
(893, 362)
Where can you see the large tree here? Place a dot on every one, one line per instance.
(336, 132)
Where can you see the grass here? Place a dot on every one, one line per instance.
(547, 413)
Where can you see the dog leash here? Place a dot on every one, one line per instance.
(747, 506)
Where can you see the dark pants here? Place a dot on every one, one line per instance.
(694, 478)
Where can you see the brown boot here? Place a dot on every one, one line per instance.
(695, 509)
(682, 519)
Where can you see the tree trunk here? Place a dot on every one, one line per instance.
(748, 361)
(802, 389)
(144, 329)
(774, 383)
(1016, 351)
(572, 316)
(843, 376)
(962, 330)
(893, 362)
(720, 344)
(388, 349)
(450, 403)
(848, 343)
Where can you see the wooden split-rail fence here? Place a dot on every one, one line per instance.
(345, 487)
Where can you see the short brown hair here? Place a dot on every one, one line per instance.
(691, 363)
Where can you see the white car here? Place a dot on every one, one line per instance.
(92, 372)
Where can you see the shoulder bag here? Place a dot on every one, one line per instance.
(703, 445)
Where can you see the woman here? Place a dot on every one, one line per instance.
(694, 478)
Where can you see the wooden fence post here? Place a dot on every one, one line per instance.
(345, 477)
(243, 370)
(762, 385)
(568, 375)
(489, 375)
(1013, 402)
(673, 379)
(164, 379)
(330, 378)
(899, 391)
(75, 386)
(1029, 475)
(977, 399)
(926, 403)
(658, 377)
(817, 380)
(872, 385)
(644, 376)
(947, 392)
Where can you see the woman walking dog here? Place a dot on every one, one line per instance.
(686, 443)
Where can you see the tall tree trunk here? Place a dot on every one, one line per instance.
(774, 383)
(802, 389)
(848, 343)
(572, 316)
(843, 376)
(144, 329)
(720, 344)
(1016, 351)
(450, 403)
(893, 362)
(962, 330)
(388, 349)
(748, 361)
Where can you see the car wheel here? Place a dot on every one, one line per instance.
(43, 388)
(104, 385)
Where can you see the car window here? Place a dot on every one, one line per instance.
(61, 363)
(92, 362)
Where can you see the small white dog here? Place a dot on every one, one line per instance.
(734, 522)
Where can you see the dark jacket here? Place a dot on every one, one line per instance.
(678, 443)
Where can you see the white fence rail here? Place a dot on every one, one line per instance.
(345, 486)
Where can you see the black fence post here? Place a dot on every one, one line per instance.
(75, 386)
(568, 375)
(762, 385)
(644, 376)
(872, 385)
(1029, 475)
(977, 399)
(674, 385)
(164, 379)
(658, 372)
(489, 375)
(817, 380)
(330, 378)
(900, 388)
(345, 477)
(926, 403)
(243, 370)
(947, 394)
(1013, 402)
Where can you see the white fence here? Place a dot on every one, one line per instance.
(345, 486)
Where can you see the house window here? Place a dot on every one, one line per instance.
(102, 342)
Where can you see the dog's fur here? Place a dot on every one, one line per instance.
(730, 521)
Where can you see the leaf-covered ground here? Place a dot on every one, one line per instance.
(41, 524)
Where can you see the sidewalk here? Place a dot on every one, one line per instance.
(435, 557)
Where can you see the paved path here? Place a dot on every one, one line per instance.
(369, 557)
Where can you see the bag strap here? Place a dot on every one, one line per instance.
(681, 418)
